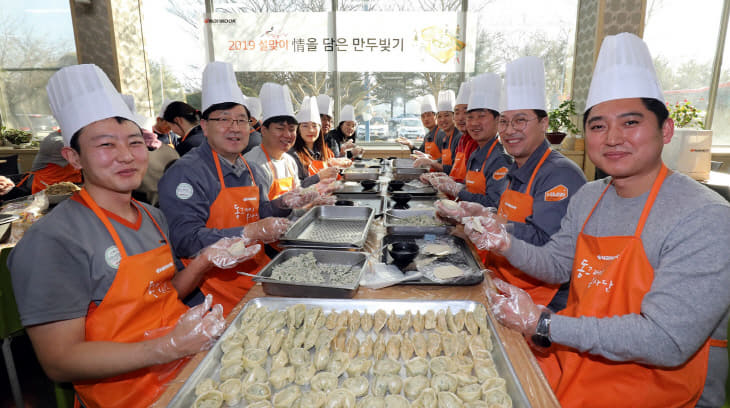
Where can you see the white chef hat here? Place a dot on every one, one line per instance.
(347, 114)
(275, 101)
(428, 104)
(254, 106)
(309, 112)
(462, 98)
(524, 84)
(446, 101)
(143, 121)
(485, 92)
(219, 85)
(83, 94)
(326, 105)
(624, 69)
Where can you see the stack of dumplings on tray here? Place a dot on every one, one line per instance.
(304, 357)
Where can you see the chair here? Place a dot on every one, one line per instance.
(9, 165)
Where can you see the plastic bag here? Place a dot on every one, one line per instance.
(378, 275)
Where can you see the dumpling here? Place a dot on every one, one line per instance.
(464, 364)
(465, 379)
(231, 371)
(282, 377)
(331, 321)
(450, 343)
(396, 401)
(498, 398)
(340, 340)
(281, 359)
(256, 375)
(416, 366)
(442, 364)
(252, 338)
(232, 356)
(286, 397)
(393, 322)
(387, 383)
(441, 325)
(434, 344)
(379, 347)
(471, 323)
(420, 346)
(209, 399)
(311, 316)
(493, 384)
(379, 320)
(276, 341)
(358, 384)
(469, 393)
(371, 401)
(298, 357)
(260, 404)
(248, 313)
(342, 319)
(321, 319)
(418, 322)
(366, 347)
(254, 358)
(392, 347)
(312, 399)
(311, 339)
(480, 315)
(256, 392)
(476, 404)
(427, 399)
(231, 390)
(430, 320)
(324, 381)
(484, 369)
(295, 315)
(359, 366)
(444, 382)
(265, 341)
(289, 339)
(300, 337)
(386, 366)
(406, 321)
(304, 373)
(278, 320)
(324, 338)
(449, 400)
(352, 347)
(322, 358)
(204, 386)
(459, 319)
(232, 341)
(354, 322)
(338, 363)
(406, 348)
(413, 386)
(366, 322)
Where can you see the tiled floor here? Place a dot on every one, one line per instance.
(37, 389)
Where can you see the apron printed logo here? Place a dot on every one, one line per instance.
(164, 268)
(557, 193)
(500, 173)
(112, 257)
(184, 191)
(158, 288)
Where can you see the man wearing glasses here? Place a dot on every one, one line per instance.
(212, 192)
(540, 182)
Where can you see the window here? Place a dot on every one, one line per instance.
(36, 40)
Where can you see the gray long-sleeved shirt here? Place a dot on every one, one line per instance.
(685, 240)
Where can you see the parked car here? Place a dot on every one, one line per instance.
(378, 129)
(411, 128)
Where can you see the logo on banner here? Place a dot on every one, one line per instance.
(557, 193)
(499, 173)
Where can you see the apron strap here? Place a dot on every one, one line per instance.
(268, 162)
(650, 200)
(534, 172)
(489, 153)
(105, 220)
(220, 172)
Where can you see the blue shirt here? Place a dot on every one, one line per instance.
(189, 188)
(546, 215)
(495, 186)
(454, 143)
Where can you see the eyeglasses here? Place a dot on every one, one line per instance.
(518, 123)
(228, 122)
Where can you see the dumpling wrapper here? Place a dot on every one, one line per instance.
(447, 272)
(438, 249)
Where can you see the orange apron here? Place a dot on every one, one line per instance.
(279, 186)
(476, 182)
(52, 174)
(610, 277)
(233, 207)
(140, 299)
(315, 166)
(516, 207)
(458, 170)
(446, 153)
(432, 148)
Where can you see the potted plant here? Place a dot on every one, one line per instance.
(16, 137)
(689, 151)
(560, 122)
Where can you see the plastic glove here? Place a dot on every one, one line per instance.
(341, 162)
(357, 151)
(348, 145)
(472, 209)
(327, 186)
(269, 229)
(487, 233)
(5, 185)
(328, 173)
(417, 154)
(514, 308)
(325, 200)
(299, 197)
(447, 185)
(228, 252)
(427, 177)
(195, 331)
(424, 162)
(405, 142)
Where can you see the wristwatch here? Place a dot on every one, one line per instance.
(542, 335)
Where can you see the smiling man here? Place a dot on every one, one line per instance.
(213, 192)
(646, 253)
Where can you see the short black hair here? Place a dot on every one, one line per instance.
(289, 120)
(223, 106)
(74, 142)
(492, 111)
(655, 106)
(183, 110)
(540, 114)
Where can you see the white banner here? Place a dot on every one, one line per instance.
(364, 41)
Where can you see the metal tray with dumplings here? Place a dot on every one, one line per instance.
(361, 173)
(275, 287)
(403, 169)
(333, 227)
(374, 201)
(210, 366)
(415, 203)
(397, 222)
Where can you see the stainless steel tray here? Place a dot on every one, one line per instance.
(415, 203)
(463, 259)
(374, 201)
(357, 188)
(392, 227)
(274, 287)
(403, 169)
(340, 227)
(210, 365)
(361, 173)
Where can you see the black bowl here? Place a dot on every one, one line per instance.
(401, 199)
(395, 185)
(345, 202)
(368, 184)
(403, 253)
